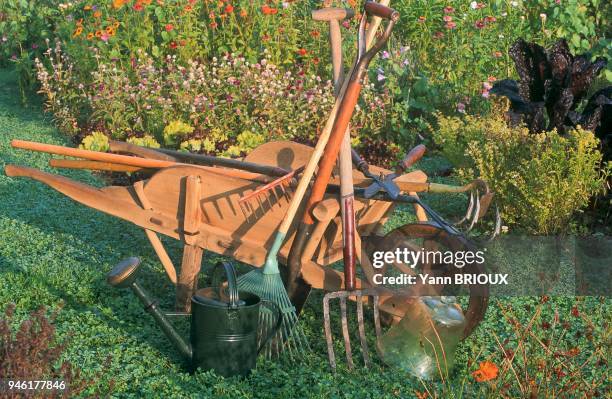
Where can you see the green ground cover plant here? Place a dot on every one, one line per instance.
(54, 251)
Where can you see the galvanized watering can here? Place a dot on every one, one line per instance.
(224, 334)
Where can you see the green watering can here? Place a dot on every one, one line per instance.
(223, 334)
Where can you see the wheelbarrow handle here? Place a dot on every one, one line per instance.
(410, 159)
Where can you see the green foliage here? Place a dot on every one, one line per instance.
(145, 141)
(175, 130)
(540, 180)
(96, 141)
(59, 251)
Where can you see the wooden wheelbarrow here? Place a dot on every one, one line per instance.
(201, 206)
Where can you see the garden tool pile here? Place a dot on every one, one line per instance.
(253, 210)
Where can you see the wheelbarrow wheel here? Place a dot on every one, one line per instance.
(426, 237)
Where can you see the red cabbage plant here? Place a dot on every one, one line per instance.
(552, 85)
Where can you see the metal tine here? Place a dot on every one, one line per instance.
(469, 210)
(362, 336)
(497, 229)
(476, 212)
(345, 333)
(328, 334)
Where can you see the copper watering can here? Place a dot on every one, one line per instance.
(224, 334)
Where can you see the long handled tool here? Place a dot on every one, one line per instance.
(334, 16)
(337, 140)
(266, 282)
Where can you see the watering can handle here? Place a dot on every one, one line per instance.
(279, 322)
(232, 285)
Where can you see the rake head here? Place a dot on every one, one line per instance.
(259, 201)
(342, 296)
(477, 208)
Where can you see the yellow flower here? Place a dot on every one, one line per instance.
(90, 36)
(87, 7)
(98, 33)
(116, 24)
(78, 31)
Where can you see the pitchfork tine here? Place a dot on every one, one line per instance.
(328, 335)
(345, 333)
(362, 337)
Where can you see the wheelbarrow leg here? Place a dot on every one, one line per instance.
(188, 278)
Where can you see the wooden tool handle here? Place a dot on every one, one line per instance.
(92, 165)
(129, 160)
(144, 152)
(91, 155)
(381, 11)
(332, 14)
(326, 165)
(300, 191)
(411, 158)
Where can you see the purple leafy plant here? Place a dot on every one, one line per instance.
(552, 85)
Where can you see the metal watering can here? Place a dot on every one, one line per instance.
(223, 334)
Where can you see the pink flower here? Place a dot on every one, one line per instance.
(346, 24)
(490, 19)
(485, 93)
(449, 10)
(438, 35)
(479, 24)
(450, 25)
(487, 86)
(447, 18)
(169, 27)
(461, 108)
(491, 79)
(104, 37)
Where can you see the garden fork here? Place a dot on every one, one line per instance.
(342, 143)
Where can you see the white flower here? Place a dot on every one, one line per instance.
(514, 3)
(543, 16)
(473, 5)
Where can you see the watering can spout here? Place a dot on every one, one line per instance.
(124, 276)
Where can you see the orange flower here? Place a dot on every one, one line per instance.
(87, 8)
(116, 24)
(97, 14)
(117, 4)
(268, 10)
(421, 395)
(188, 8)
(78, 31)
(243, 13)
(90, 36)
(315, 33)
(214, 25)
(486, 372)
(138, 7)
(79, 22)
(302, 52)
(98, 33)
(110, 30)
(229, 9)
(169, 27)
(146, 2)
